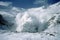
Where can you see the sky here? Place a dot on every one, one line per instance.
(30, 3)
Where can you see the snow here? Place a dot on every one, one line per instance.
(32, 24)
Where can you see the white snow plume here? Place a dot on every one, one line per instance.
(26, 22)
(36, 19)
(31, 20)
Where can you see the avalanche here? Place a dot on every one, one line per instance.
(33, 24)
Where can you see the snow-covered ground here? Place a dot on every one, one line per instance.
(33, 24)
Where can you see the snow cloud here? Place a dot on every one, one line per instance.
(28, 17)
(5, 3)
(38, 15)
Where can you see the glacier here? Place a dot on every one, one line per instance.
(32, 24)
